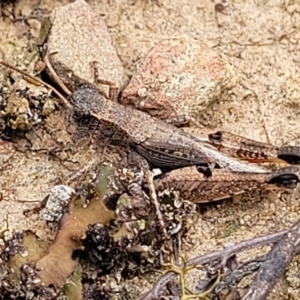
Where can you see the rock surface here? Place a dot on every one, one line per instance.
(179, 76)
(81, 38)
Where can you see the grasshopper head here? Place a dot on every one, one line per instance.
(86, 100)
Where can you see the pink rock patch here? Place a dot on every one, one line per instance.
(178, 76)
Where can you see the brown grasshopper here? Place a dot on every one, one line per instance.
(161, 144)
(166, 146)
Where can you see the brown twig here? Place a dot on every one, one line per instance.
(275, 265)
(221, 255)
(236, 275)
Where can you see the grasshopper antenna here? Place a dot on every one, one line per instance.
(62, 99)
(53, 73)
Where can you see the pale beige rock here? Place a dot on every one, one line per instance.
(80, 37)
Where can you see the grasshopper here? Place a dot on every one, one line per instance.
(166, 146)
(161, 144)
